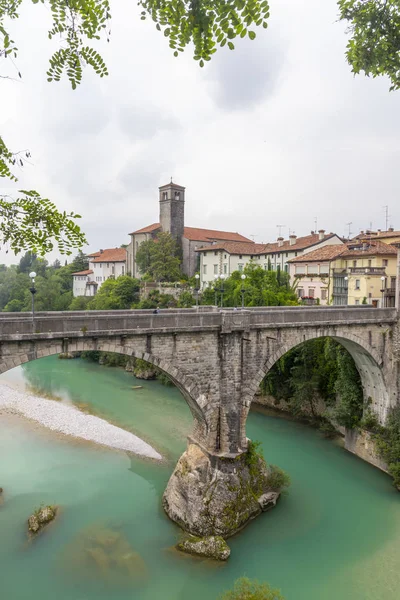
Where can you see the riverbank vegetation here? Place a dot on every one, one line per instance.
(317, 379)
(248, 589)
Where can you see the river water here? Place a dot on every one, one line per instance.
(335, 535)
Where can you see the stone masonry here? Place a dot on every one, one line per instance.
(216, 358)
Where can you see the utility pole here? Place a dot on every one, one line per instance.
(387, 216)
(280, 229)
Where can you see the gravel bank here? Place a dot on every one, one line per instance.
(67, 419)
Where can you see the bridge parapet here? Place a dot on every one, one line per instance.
(19, 326)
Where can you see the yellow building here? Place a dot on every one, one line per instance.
(365, 273)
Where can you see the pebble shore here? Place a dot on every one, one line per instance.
(67, 419)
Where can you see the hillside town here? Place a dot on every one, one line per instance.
(324, 268)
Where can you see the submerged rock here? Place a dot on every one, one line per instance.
(66, 355)
(102, 552)
(211, 547)
(212, 496)
(40, 518)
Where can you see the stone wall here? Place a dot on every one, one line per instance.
(360, 443)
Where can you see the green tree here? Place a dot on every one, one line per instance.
(159, 258)
(79, 263)
(116, 294)
(247, 589)
(144, 256)
(374, 46)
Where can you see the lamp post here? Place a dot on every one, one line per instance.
(346, 288)
(215, 290)
(383, 291)
(222, 289)
(32, 290)
(242, 277)
(197, 277)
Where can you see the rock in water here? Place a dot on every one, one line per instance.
(40, 518)
(211, 547)
(215, 496)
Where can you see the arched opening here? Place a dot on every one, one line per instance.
(364, 365)
(185, 385)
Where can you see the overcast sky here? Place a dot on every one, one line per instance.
(276, 132)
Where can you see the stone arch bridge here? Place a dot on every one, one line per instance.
(217, 358)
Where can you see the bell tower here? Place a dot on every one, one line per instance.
(172, 210)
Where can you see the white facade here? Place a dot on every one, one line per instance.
(225, 259)
(102, 265)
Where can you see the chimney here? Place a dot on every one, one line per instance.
(321, 234)
(362, 232)
(292, 239)
(379, 231)
(280, 242)
(391, 229)
(312, 232)
(101, 250)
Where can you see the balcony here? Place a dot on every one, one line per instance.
(367, 271)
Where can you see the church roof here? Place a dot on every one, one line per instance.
(209, 235)
(200, 235)
(148, 229)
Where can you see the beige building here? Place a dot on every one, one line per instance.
(312, 273)
(365, 274)
(225, 257)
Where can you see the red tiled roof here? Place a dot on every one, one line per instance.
(94, 254)
(370, 248)
(111, 255)
(388, 234)
(208, 235)
(87, 272)
(148, 229)
(235, 247)
(251, 248)
(321, 254)
(200, 235)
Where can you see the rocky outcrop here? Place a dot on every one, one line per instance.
(66, 355)
(212, 546)
(215, 496)
(40, 518)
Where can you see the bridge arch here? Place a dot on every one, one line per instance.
(195, 400)
(368, 361)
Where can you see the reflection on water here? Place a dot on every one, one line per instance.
(336, 535)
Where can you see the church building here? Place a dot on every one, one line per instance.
(172, 220)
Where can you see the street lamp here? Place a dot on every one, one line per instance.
(243, 277)
(32, 290)
(215, 290)
(197, 277)
(222, 289)
(383, 290)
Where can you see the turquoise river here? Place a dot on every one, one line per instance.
(336, 535)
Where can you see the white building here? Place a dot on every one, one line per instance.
(224, 258)
(102, 265)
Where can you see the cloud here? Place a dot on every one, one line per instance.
(279, 131)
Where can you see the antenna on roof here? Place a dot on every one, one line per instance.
(387, 216)
(349, 226)
(253, 235)
(280, 229)
(316, 223)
